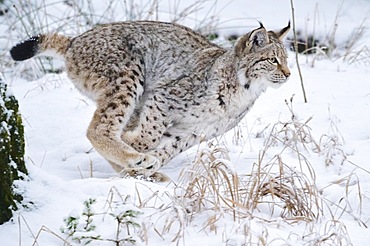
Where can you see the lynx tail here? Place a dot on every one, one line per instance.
(37, 44)
(26, 50)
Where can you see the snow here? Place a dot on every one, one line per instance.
(65, 171)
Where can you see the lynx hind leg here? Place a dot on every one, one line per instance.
(114, 109)
(103, 134)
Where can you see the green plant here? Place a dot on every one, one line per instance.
(83, 228)
(80, 228)
(12, 166)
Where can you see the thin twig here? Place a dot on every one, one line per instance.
(296, 53)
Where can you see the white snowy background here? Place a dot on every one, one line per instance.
(64, 170)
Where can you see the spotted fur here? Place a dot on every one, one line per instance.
(161, 88)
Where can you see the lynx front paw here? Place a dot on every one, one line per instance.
(151, 177)
(147, 162)
(143, 165)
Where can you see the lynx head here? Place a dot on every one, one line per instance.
(262, 56)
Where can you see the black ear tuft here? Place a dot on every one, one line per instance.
(283, 32)
(261, 25)
(26, 50)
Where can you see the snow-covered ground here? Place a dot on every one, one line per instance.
(334, 157)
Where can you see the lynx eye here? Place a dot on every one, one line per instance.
(273, 61)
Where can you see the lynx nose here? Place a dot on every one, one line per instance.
(285, 71)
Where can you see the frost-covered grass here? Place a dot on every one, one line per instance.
(291, 173)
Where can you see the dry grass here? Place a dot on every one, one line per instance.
(278, 189)
(213, 184)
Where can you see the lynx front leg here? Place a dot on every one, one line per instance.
(173, 144)
(151, 124)
(155, 134)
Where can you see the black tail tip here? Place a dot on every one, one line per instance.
(25, 50)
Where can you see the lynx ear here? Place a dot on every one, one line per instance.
(283, 32)
(256, 39)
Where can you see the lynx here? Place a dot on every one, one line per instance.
(161, 88)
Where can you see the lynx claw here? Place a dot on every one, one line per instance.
(159, 177)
